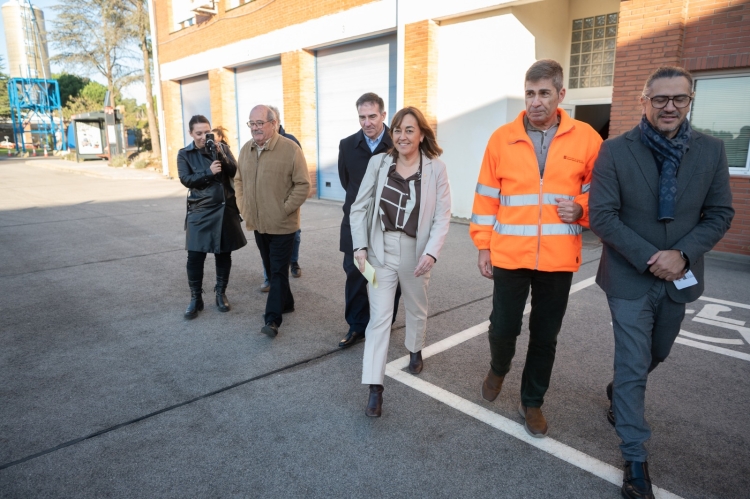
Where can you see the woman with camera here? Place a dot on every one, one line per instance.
(399, 222)
(212, 223)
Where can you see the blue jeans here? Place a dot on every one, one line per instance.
(295, 252)
(645, 330)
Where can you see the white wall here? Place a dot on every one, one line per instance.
(481, 70)
(257, 84)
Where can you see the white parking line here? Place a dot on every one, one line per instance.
(725, 302)
(710, 348)
(394, 369)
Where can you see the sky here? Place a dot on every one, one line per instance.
(136, 91)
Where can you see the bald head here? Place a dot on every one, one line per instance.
(266, 131)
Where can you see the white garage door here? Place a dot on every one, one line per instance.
(196, 99)
(343, 74)
(258, 84)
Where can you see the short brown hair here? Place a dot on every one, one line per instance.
(546, 69)
(668, 72)
(373, 98)
(429, 145)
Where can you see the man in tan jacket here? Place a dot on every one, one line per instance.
(271, 184)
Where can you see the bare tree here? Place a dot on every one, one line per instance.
(94, 35)
(140, 26)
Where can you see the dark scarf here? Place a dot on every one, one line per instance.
(668, 153)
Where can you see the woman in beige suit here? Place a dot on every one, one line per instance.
(399, 222)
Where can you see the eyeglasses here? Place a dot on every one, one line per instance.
(258, 124)
(661, 101)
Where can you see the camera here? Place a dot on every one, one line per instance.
(211, 144)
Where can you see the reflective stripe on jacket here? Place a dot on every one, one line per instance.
(515, 209)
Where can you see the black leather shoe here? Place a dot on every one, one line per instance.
(270, 329)
(351, 338)
(610, 411)
(375, 402)
(415, 362)
(636, 482)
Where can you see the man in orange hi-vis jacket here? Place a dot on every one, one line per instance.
(530, 207)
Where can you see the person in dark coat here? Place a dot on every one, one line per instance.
(212, 223)
(355, 152)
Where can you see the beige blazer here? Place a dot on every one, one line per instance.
(434, 208)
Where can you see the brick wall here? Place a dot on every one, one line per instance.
(420, 68)
(717, 35)
(174, 125)
(649, 35)
(247, 21)
(698, 35)
(737, 240)
(224, 104)
(300, 118)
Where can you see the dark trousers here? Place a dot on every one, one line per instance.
(645, 330)
(357, 311)
(196, 260)
(276, 252)
(549, 299)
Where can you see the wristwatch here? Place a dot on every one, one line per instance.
(687, 260)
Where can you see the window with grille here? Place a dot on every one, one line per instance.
(722, 109)
(592, 51)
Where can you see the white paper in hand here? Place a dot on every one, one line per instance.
(687, 280)
(369, 274)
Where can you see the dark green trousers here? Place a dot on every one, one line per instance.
(549, 299)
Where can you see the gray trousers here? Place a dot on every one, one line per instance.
(398, 268)
(645, 330)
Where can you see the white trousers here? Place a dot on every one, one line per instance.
(399, 265)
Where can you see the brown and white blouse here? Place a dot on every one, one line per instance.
(399, 201)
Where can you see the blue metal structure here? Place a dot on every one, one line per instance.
(35, 98)
(33, 101)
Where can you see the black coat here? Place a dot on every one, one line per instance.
(212, 223)
(354, 154)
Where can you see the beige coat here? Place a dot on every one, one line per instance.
(434, 208)
(271, 188)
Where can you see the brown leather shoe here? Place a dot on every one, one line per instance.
(415, 362)
(375, 402)
(491, 386)
(536, 424)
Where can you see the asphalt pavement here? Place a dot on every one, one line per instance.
(106, 391)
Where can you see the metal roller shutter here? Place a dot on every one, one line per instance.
(343, 74)
(258, 84)
(196, 99)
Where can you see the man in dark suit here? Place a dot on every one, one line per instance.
(355, 152)
(659, 200)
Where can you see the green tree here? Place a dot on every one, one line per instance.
(70, 86)
(94, 91)
(94, 35)
(141, 33)
(4, 98)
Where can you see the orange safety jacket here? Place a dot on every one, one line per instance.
(515, 211)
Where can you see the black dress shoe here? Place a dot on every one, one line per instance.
(415, 362)
(375, 402)
(351, 338)
(610, 411)
(636, 482)
(270, 329)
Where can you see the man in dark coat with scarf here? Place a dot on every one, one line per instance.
(659, 200)
(212, 223)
